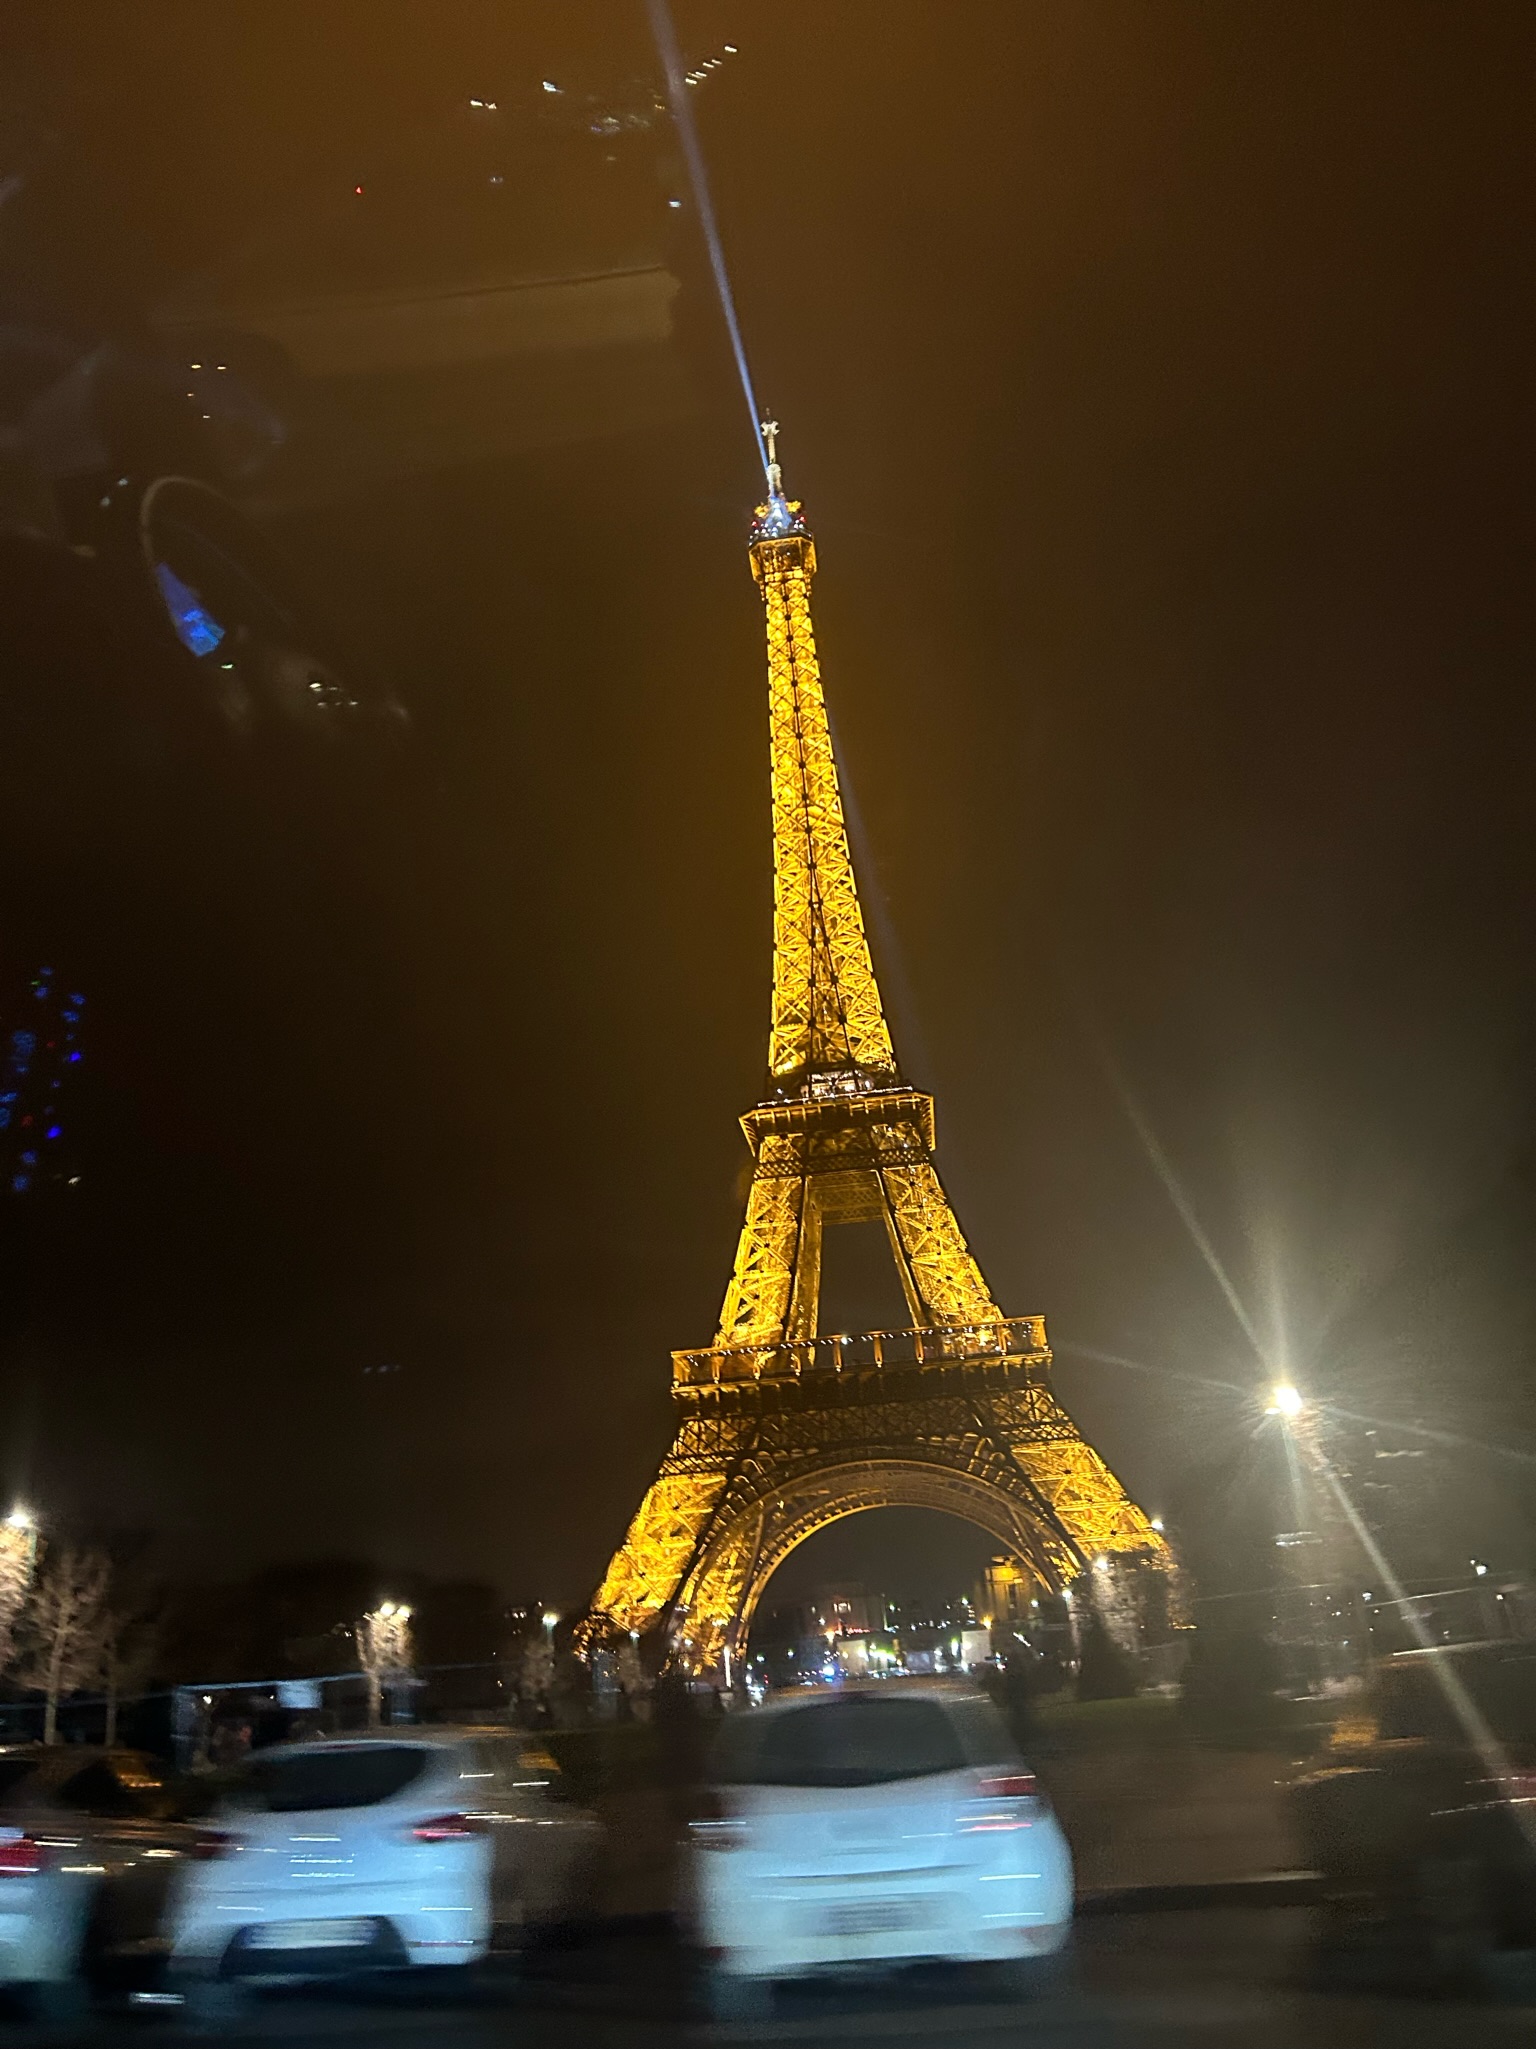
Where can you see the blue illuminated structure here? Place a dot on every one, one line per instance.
(35, 1053)
(196, 628)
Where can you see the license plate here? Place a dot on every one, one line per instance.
(311, 1935)
(866, 1917)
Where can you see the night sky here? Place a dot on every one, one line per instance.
(1156, 378)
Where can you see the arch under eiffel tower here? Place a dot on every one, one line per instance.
(782, 1429)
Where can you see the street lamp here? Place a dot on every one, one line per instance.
(1285, 1401)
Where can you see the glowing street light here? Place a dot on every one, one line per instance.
(21, 1519)
(1285, 1401)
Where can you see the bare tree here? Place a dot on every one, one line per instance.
(64, 1628)
(128, 1647)
(383, 1639)
(536, 1675)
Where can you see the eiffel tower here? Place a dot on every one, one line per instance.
(781, 1428)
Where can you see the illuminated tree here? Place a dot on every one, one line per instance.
(18, 1561)
(383, 1639)
(64, 1628)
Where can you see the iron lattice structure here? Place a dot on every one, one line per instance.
(781, 1430)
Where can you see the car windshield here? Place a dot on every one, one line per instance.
(858, 1740)
(355, 1775)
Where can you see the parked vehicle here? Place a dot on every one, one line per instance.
(1423, 1823)
(90, 1843)
(419, 1847)
(860, 1827)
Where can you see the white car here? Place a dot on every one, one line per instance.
(876, 1825)
(420, 1846)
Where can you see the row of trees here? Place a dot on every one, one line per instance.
(61, 1629)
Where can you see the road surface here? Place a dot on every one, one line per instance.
(1218, 1979)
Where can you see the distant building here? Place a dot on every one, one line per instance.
(39, 1052)
(849, 1609)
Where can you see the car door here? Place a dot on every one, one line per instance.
(129, 1844)
(537, 1832)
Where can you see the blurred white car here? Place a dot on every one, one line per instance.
(89, 1848)
(422, 1846)
(874, 1826)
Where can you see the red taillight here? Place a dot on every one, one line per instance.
(450, 1828)
(21, 1856)
(1012, 1786)
(209, 1843)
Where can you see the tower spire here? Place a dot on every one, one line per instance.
(827, 1012)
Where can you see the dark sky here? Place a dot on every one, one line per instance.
(1157, 380)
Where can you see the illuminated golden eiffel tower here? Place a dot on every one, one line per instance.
(780, 1429)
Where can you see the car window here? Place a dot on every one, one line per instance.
(1415, 1698)
(106, 1789)
(352, 1775)
(856, 1740)
(524, 1766)
(983, 1733)
(14, 1773)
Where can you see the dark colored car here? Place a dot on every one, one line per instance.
(1423, 1824)
(91, 1841)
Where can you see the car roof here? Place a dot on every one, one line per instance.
(947, 1692)
(427, 1736)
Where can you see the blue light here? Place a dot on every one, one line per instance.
(19, 1182)
(74, 1056)
(23, 1042)
(196, 628)
(53, 1131)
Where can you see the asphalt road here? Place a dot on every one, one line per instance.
(1221, 1979)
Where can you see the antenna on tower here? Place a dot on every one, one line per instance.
(770, 431)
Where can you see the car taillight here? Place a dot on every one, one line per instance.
(450, 1828)
(21, 1856)
(209, 1843)
(1009, 1786)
